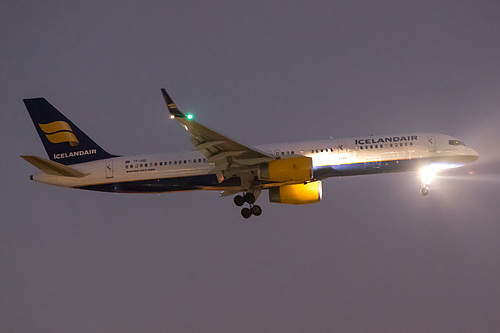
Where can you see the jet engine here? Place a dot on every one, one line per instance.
(296, 194)
(297, 169)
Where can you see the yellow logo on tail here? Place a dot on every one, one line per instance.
(59, 131)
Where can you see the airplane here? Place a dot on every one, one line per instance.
(292, 173)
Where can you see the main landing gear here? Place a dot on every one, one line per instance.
(249, 198)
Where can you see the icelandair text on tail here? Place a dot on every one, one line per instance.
(75, 153)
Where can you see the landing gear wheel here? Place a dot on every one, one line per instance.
(246, 213)
(424, 191)
(239, 200)
(256, 210)
(250, 198)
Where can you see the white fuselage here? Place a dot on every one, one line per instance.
(331, 158)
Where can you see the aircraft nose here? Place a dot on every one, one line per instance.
(474, 155)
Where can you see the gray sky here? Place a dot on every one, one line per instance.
(373, 256)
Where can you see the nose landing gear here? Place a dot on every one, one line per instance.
(424, 190)
(249, 198)
(427, 174)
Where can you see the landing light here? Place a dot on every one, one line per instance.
(172, 116)
(444, 166)
(427, 174)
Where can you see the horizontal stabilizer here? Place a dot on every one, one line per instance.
(53, 168)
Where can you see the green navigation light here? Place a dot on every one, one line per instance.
(189, 116)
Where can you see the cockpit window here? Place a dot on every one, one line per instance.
(456, 143)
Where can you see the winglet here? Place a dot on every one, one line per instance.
(174, 111)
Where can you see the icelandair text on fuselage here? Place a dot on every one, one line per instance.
(384, 140)
(75, 153)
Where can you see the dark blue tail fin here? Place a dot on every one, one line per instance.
(64, 142)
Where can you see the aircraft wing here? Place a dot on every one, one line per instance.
(224, 152)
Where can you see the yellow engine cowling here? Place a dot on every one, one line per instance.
(296, 194)
(297, 169)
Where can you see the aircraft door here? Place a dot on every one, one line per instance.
(431, 142)
(109, 169)
(340, 147)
